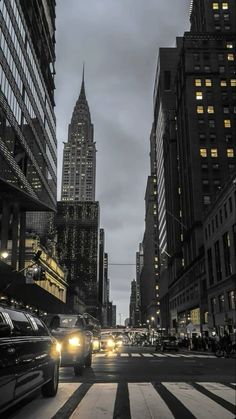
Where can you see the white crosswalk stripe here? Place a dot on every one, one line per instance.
(144, 401)
(151, 355)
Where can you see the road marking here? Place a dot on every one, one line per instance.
(173, 356)
(220, 390)
(47, 407)
(146, 403)
(124, 355)
(186, 356)
(199, 405)
(160, 355)
(203, 356)
(112, 355)
(135, 355)
(98, 402)
(147, 355)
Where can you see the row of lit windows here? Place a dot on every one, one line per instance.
(208, 82)
(221, 69)
(212, 137)
(217, 5)
(213, 152)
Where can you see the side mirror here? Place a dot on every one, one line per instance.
(5, 330)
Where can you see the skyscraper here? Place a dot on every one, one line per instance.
(27, 121)
(79, 157)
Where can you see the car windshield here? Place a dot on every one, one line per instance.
(70, 321)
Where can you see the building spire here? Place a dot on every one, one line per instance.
(82, 95)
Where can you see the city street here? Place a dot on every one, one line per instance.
(140, 383)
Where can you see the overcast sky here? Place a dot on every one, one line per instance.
(119, 41)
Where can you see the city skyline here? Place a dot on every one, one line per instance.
(122, 144)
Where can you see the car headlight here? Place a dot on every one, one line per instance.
(74, 341)
(110, 343)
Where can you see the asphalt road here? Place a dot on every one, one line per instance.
(139, 383)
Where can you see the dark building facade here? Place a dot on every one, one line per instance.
(78, 237)
(220, 254)
(27, 121)
(149, 276)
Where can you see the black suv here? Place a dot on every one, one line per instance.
(29, 357)
(75, 338)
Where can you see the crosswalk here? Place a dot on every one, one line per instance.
(165, 400)
(151, 355)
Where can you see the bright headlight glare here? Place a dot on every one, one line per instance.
(95, 344)
(58, 347)
(74, 341)
(119, 342)
(110, 343)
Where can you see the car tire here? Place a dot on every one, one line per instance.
(50, 389)
(88, 360)
(78, 369)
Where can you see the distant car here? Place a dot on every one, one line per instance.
(29, 357)
(71, 331)
(107, 342)
(169, 343)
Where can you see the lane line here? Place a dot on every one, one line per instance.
(160, 355)
(135, 355)
(199, 405)
(124, 355)
(147, 355)
(146, 403)
(98, 403)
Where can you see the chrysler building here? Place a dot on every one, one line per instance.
(79, 155)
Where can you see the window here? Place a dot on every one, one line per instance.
(227, 123)
(216, 16)
(215, 6)
(225, 6)
(199, 96)
(221, 303)
(221, 69)
(167, 80)
(22, 327)
(207, 67)
(230, 57)
(218, 261)
(228, 138)
(202, 137)
(229, 45)
(214, 152)
(220, 57)
(203, 152)
(226, 247)
(210, 109)
(210, 267)
(206, 200)
(198, 82)
(226, 18)
(226, 109)
(208, 82)
(223, 83)
(233, 82)
(231, 300)
(213, 305)
(211, 123)
(212, 137)
(200, 109)
(230, 152)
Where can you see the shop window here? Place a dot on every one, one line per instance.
(230, 152)
(203, 152)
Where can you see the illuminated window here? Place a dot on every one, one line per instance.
(229, 45)
(230, 57)
(199, 95)
(214, 152)
(230, 152)
(208, 82)
(223, 83)
(225, 6)
(227, 123)
(200, 109)
(215, 6)
(210, 109)
(233, 82)
(198, 82)
(203, 152)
